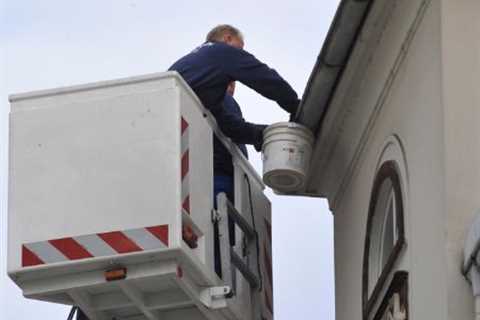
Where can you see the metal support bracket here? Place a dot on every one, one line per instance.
(215, 297)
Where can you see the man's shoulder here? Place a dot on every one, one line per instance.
(214, 46)
(203, 46)
(211, 50)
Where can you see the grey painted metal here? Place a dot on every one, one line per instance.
(228, 274)
(244, 269)
(214, 297)
(229, 256)
(85, 303)
(240, 221)
(138, 299)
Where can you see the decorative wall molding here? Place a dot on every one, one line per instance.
(381, 100)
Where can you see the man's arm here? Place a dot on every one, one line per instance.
(234, 126)
(244, 67)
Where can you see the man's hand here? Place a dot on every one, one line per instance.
(293, 115)
(259, 139)
(189, 236)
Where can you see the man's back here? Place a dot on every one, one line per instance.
(202, 71)
(211, 67)
(222, 159)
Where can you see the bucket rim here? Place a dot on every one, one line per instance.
(287, 128)
(270, 177)
(287, 124)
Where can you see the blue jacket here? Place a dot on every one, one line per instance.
(240, 131)
(211, 67)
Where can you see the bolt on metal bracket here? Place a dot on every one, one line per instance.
(215, 297)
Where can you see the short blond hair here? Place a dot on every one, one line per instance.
(217, 33)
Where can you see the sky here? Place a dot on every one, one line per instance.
(52, 43)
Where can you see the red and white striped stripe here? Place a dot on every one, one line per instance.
(185, 165)
(188, 235)
(94, 245)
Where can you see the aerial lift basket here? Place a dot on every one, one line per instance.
(105, 178)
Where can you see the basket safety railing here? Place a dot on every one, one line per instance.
(246, 262)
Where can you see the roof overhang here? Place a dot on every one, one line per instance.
(324, 82)
(327, 72)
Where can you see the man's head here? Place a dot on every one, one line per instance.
(227, 34)
(231, 88)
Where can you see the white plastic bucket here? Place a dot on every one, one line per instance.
(287, 148)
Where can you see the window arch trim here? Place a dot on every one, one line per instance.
(388, 170)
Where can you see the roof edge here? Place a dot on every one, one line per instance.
(327, 72)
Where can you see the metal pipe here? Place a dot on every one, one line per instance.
(240, 221)
(251, 278)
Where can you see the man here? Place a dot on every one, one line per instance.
(210, 68)
(242, 133)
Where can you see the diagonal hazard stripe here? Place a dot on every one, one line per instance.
(186, 204)
(161, 232)
(119, 242)
(185, 164)
(184, 143)
(184, 125)
(46, 252)
(29, 258)
(144, 239)
(70, 248)
(94, 245)
(186, 185)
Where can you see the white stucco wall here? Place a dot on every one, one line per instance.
(416, 78)
(398, 92)
(461, 103)
(412, 112)
(412, 83)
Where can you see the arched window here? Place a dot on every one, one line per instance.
(385, 235)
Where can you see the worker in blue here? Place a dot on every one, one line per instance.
(208, 70)
(242, 132)
(221, 60)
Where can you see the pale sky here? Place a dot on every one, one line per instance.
(51, 43)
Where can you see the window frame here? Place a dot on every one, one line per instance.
(398, 285)
(388, 170)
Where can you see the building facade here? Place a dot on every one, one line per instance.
(395, 105)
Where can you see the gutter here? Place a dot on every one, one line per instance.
(334, 56)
